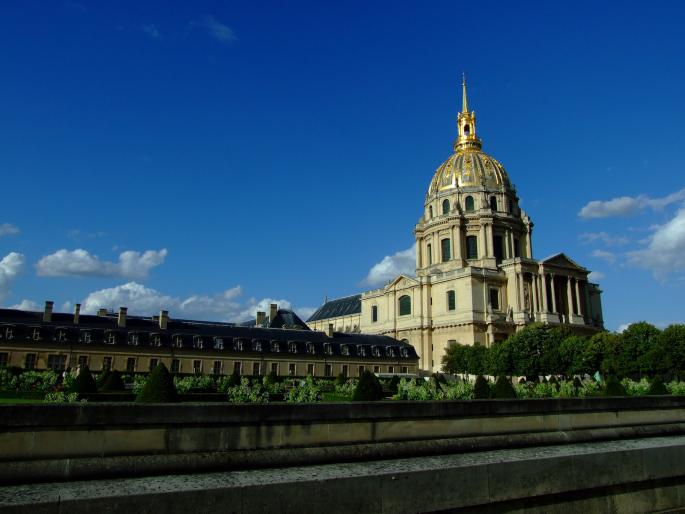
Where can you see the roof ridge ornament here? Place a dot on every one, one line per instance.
(466, 124)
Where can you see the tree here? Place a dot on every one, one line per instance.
(667, 355)
(499, 358)
(481, 389)
(571, 356)
(637, 341)
(84, 382)
(159, 387)
(503, 389)
(113, 382)
(614, 387)
(368, 388)
(454, 360)
(476, 359)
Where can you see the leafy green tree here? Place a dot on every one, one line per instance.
(500, 358)
(637, 342)
(667, 356)
(159, 387)
(571, 356)
(476, 359)
(454, 360)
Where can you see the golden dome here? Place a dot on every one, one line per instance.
(469, 169)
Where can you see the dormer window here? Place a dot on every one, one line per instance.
(133, 339)
(292, 347)
(328, 349)
(361, 350)
(198, 343)
(85, 336)
(238, 344)
(311, 348)
(9, 333)
(218, 343)
(390, 351)
(178, 341)
(404, 352)
(376, 351)
(345, 350)
(111, 338)
(256, 346)
(156, 340)
(36, 334)
(275, 347)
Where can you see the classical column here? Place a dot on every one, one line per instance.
(457, 242)
(545, 300)
(581, 311)
(534, 284)
(554, 296)
(529, 243)
(569, 294)
(517, 282)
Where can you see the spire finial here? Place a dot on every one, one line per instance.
(464, 101)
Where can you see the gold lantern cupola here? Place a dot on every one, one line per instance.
(466, 126)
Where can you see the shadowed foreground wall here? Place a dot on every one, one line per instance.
(597, 454)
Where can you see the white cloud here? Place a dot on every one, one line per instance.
(596, 276)
(145, 301)
(27, 305)
(216, 29)
(401, 263)
(603, 237)
(627, 205)
(305, 312)
(81, 263)
(610, 257)
(622, 327)
(10, 266)
(665, 251)
(7, 229)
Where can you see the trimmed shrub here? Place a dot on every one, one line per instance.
(114, 382)
(481, 389)
(84, 383)
(614, 387)
(394, 383)
(340, 379)
(577, 384)
(368, 389)
(102, 378)
(234, 379)
(159, 387)
(657, 387)
(503, 389)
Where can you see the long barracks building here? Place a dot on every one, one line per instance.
(280, 342)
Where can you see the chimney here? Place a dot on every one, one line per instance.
(261, 316)
(121, 323)
(47, 313)
(77, 312)
(329, 332)
(273, 309)
(163, 319)
(102, 312)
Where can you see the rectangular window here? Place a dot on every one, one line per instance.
(345, 370)
(175, 366)
(361, 370)
(498, 247)
(451, 301)
(445, 250)
(517, 248)
(274, 368)
(328, 370)
(237, 367)
(376, 369)
(57, 362)
(197, 366)
(106, 363)
(216, 369)
(4, 359)
(83, 360)
(374, 314)
(405, 369)
(471, 247)
(391, 369)
(30, 362)
(429, 253)
(494, 299)
(256, 369)
(310, 370)
(153, 364)
(131, 364)
(292, 369)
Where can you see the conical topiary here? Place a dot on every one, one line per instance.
(102, 378)
(84, 383)
(577, 384)
(234, 379)
(481, 389)
(614, 387)
(368, 388)
(159, 387)
(113, 382)
(503, 389)
(657, 387)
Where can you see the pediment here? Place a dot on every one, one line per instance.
(561, 260)
(401, 282)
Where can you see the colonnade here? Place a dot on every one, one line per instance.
(551, 293)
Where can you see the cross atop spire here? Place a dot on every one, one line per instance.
(464, 101)
(466, 124)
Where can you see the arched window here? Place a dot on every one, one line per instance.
(471, 247)
(429, 251)
(468, 204)
(430, 212)
(510, 206)
(451, 301)
(445, 206)
(467, 129)
(445, 250)
(405, 305)
(493, 203)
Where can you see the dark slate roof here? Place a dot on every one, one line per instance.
(285, 318)
(338, 307)
(193, 335)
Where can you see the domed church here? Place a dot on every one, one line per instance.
(476, 279)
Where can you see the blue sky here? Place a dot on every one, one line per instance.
(210, 156)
